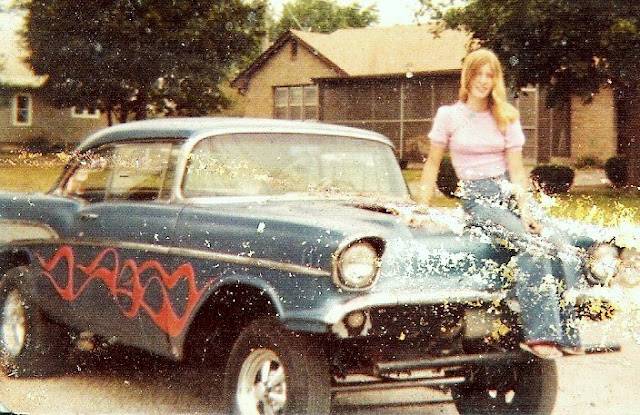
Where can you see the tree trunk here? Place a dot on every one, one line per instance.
(141, 104)
(628, 110)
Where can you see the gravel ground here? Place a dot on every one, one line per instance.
(605, 384)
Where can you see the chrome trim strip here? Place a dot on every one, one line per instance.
(197, 253)
(252, 262)
(339, 311)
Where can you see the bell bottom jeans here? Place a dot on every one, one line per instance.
(547, 264)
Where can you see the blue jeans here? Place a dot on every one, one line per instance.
(547, 264)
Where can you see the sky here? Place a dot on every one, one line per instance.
(391, 12)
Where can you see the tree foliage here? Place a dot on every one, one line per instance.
(572, 47)
(132, 56)
(322, 16)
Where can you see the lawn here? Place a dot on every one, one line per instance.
(599, 205)
(26, 172)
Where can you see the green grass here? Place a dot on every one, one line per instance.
(600, 205)
(28, 179)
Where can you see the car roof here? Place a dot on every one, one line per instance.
(199, 126)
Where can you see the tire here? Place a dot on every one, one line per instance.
(295, 366)
(525, 388)
(30, 344)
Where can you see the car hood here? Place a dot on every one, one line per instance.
(420, 243)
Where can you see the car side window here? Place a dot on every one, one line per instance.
(139, 171)
(131, 171)
(90, 177)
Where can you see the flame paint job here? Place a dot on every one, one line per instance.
(79, 277)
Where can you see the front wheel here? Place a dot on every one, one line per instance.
(30, 344)
(525, 388)
(272, 370)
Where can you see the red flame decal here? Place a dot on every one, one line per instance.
(165, 318)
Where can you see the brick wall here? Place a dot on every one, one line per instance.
(593, 127)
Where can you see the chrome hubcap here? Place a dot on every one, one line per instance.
(262, 386)
(13, 324)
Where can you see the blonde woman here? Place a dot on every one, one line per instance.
(483, 135)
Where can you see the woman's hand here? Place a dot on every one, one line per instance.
(530, 224)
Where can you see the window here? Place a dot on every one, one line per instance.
(132, 171)
(296, 102)
(277, 164)
(85, 112)
(21, 111)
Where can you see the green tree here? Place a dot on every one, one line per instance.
(134, 56)
(324, 16)
(572, 47)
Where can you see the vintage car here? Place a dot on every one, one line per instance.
(287, 254)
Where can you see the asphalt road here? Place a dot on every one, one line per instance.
(607, 384)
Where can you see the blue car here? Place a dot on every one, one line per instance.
(288, 255)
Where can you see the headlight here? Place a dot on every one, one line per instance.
(629, 269)
(357, 266)
(603, 263)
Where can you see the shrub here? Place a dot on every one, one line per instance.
(447, 178)
(553, 178)
(42, 144)
(616, 171)
(587, 162)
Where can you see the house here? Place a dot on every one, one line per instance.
(393, 79)
(25, 116)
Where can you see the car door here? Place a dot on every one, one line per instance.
(121, 248)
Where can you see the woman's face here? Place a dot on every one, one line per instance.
(482, 82)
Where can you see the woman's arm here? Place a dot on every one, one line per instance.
(427, 184)
(520, 182)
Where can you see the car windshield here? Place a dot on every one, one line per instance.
(277, 164)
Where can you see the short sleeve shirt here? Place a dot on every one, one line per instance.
(476, 144)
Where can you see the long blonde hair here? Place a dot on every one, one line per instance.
(503, 112)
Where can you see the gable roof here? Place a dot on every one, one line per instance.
(375, 51)
(390, 50)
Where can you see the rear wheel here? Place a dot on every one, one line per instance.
(274, 371)
(30, 344)
(525, 388)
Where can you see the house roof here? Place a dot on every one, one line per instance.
(14, 72)
(376, 51)
(390, 50)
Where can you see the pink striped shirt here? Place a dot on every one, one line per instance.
(476, 145)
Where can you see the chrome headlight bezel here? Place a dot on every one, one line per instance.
(356, 265)
(603, 262)
(628, 274)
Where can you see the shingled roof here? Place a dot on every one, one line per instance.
(376, 51)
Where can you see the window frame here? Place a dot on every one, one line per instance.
(15, 110)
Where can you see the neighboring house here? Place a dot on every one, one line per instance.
(393, 79)
(25, 115)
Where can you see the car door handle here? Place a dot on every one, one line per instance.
(88, 216)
